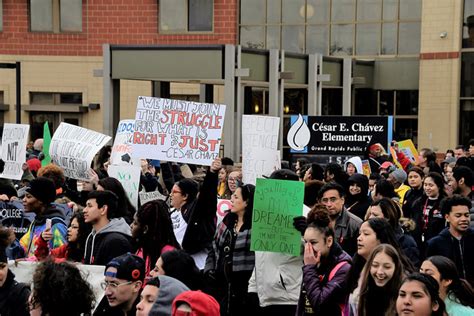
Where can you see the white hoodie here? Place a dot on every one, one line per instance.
(357, 162)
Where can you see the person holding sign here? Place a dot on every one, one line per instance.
(49, 223)
(230, 262)
(194, 216)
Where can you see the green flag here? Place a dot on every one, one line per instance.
(46, 143)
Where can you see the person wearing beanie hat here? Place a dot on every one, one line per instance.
(196, 303)
(13, 295)
(398, 178)
(50, 222)
(194, 214)
(124, 276)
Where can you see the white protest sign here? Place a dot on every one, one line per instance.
(24, 271)
(73, 148)
(260, 156)
(258, 163)
(14, 139)
(122, 149)
(129, 176)
(175, 130)
(151, 196)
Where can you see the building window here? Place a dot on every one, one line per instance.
(402, 104)
(333, 27)
(181, 16)
(55, 16)
(51, 98)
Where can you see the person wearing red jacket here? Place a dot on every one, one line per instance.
(77, 233)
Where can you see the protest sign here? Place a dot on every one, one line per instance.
(276, 203)
(46, 143)
(338, 135)
(14, 139)
(260, 156)
(122, 149)
(129, 177)
(151, 196)
(366, 168)
(94, 275)
(13, 215)
(408, 148)
(259, 162)
(223, 207)
(73, 148)
(176, 130)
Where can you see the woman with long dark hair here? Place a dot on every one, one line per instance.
(230, 262)
(373, 232)
(125, 209)
(426, 211)
(457, 293)
(179, 265)
(381, 278)
(152, 232)
(389, 209)
(77, 233)
(415, 181)
(418, 295)
(326, 269)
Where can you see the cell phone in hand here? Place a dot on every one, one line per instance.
(48, 223)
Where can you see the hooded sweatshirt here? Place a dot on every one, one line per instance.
(58, 229)
(113, 240)
(357, 162)
(359, 203)
(169, 289)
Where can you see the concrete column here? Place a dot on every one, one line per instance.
(229, 101)
(346, 86)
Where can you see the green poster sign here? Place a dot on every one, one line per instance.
(46, 144)
(276, 202)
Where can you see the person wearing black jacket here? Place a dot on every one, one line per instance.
(426, 211)
(194, 215)
(457, 241)
(13, 295)
(357, 200)
(415, 181)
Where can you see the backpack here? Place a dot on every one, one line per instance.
(342, 306)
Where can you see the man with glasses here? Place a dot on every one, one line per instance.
(123, 282)
(346, 225)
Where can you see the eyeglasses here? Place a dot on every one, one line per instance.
(176, 191)
(113, 285)
(327, 200)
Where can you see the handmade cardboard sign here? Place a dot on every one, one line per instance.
(14, 139)
(73, 148)
(276, 203)
(176, 130)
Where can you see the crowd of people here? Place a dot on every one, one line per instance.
(397, 242)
